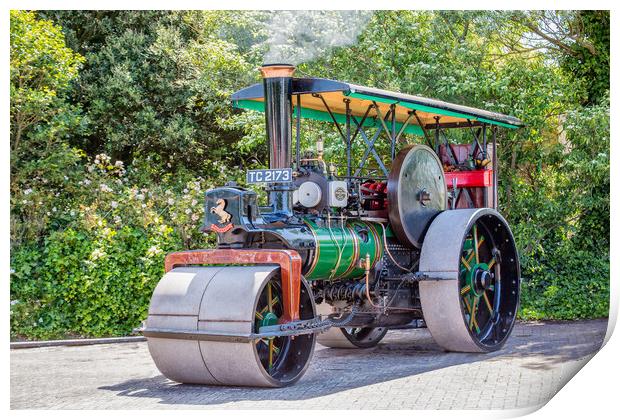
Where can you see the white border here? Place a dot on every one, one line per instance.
(592, 393)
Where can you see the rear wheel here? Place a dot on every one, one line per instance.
(471, 297)
(362, 338)
(355, 337)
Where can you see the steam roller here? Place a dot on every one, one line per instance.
(398, 228)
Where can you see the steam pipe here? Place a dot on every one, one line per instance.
(278, 88)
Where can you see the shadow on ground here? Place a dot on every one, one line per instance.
(403, 353)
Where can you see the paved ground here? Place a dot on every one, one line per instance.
(407, 370)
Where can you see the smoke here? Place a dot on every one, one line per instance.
(296, 36)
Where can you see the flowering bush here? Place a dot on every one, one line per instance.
(95, 275)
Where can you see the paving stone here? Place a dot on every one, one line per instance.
(406, 371)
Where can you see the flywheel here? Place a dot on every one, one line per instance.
(471, 296)
(227, 300)
(416, 192)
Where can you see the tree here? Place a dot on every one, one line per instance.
(156, 84)
(42, 69)
(577, 39)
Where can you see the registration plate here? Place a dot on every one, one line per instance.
(256, 176)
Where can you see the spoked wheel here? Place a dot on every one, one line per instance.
(471, 297)
(349, 337)
(235, 300)
(283, 358)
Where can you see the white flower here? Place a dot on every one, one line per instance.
(185, 190)
(27, 191)
(119, 163)
(170, 201)
(154, 250)
(194, 202)
(117, 219)
(168, 192)
(114, 204)
(143, 205)
(140, 196)
(96, 254)
(87, 182)
(105, 188)
(54, 209)
(188, 211)
(72, 212)
(195, 217)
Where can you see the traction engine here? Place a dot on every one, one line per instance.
(342, 253)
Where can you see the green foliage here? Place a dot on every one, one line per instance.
(158, 83)
(95, 274)
(42, 68)
(590, 60)
(565, 241)
(567, 283)
(120, 120)
(85, 283)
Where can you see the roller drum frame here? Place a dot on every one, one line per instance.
(223, 300)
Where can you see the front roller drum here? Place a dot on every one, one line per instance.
(471, 296)
(232, 300)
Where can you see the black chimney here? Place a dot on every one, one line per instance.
(278, 88)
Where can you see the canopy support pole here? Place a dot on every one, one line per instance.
(405, 124)
(426, 136)
(495, 167)
(331, 114)
(455, 162)
(484, 141)
(393, 132)
(361, 124)
(370, 148)
(476, 141)
(436, 144)
(298, 133)
(348, 139)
